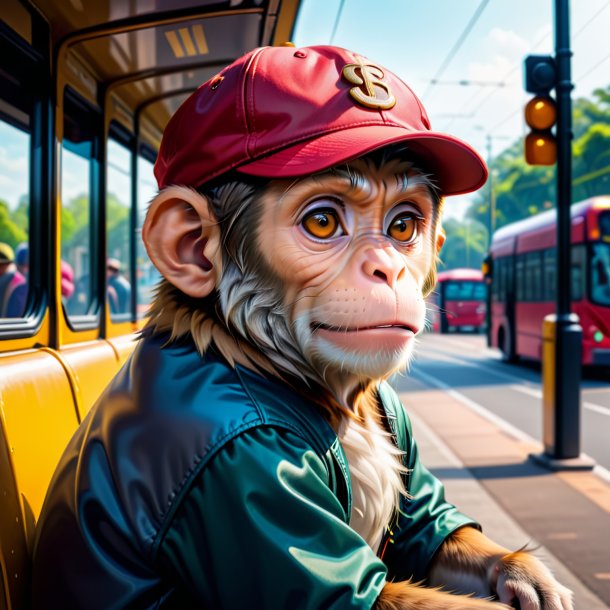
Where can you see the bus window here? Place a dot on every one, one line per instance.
(520, 272)
(479, 292)
(533, 276)
(549, 258)
(465, 291)
(118, 245)
(147, 275)
(14, 220)
(600, 273)
(78, 278)
(578, 271)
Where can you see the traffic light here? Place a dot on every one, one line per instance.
(540, 111)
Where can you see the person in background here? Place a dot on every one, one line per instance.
(15, 307)
(22, 259)
(119, 289)
(67, 280)
(11, 279)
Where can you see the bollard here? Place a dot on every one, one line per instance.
(549, 336)
(561, 373)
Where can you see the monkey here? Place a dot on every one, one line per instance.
(251, 452)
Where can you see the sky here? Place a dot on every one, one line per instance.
(489, 40)
(414, 39)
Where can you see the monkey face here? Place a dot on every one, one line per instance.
(352, 250)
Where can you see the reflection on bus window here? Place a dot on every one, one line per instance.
(14, 220)
(147, 274)
(533, 276)
(118, 196)
(600, 273)
(549, 276)
(465, 291)
(75, 233)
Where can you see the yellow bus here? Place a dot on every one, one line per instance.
(86, 88)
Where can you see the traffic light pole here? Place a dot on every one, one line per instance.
(563, 91)
(562, 334)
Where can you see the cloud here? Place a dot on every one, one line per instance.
(14, 176)
(505, 51)
(509, 42)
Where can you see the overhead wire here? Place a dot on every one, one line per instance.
(337, 19)
(490, 93)
(580, 30)
(585, 25)
(594, 67)
(458, 43)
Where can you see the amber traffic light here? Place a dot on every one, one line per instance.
(540, 143)
(540, 111)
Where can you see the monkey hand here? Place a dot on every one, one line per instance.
(521, 577)
(406, 595)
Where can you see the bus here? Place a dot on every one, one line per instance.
(86, 89)
(522, 267)
(459, 301)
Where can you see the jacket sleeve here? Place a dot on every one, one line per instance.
(261, 528)
(425, 518)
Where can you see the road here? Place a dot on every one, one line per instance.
(462, 365)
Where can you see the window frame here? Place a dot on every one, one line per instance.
(123, 138)
(92, 319)
(145, 153)
(32, 99)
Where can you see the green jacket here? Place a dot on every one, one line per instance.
(193, 484)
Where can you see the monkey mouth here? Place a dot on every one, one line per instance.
(358, 329)
(387, 337)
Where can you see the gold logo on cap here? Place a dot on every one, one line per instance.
(367, 77)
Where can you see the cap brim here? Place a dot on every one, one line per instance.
(456, 166)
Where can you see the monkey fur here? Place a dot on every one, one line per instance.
(242, 275)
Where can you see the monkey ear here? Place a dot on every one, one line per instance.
(182, 238)
(440, 239)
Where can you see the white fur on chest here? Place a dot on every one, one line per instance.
(375, 472)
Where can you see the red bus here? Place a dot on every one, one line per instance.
(522, 264)
(459, 302)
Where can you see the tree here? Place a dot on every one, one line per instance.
(592, 146)
(10, 232)
(522, 190)
(117, 227)
(465, 245)
(21, 214)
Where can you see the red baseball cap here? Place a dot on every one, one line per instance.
(281, 112)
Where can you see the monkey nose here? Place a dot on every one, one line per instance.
(384, 267)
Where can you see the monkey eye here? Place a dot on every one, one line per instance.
(404, 227)
(322, 223)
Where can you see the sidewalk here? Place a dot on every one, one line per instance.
(487, 474)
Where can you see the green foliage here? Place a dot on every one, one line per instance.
(21, 214)
(522, 190)
(466, 244)
(117, 228)
(75, 219)
(75, 225)
(591, 153)
(12, 231)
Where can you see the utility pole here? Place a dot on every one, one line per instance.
(491, 213)
(562, 334)
(492, 199)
